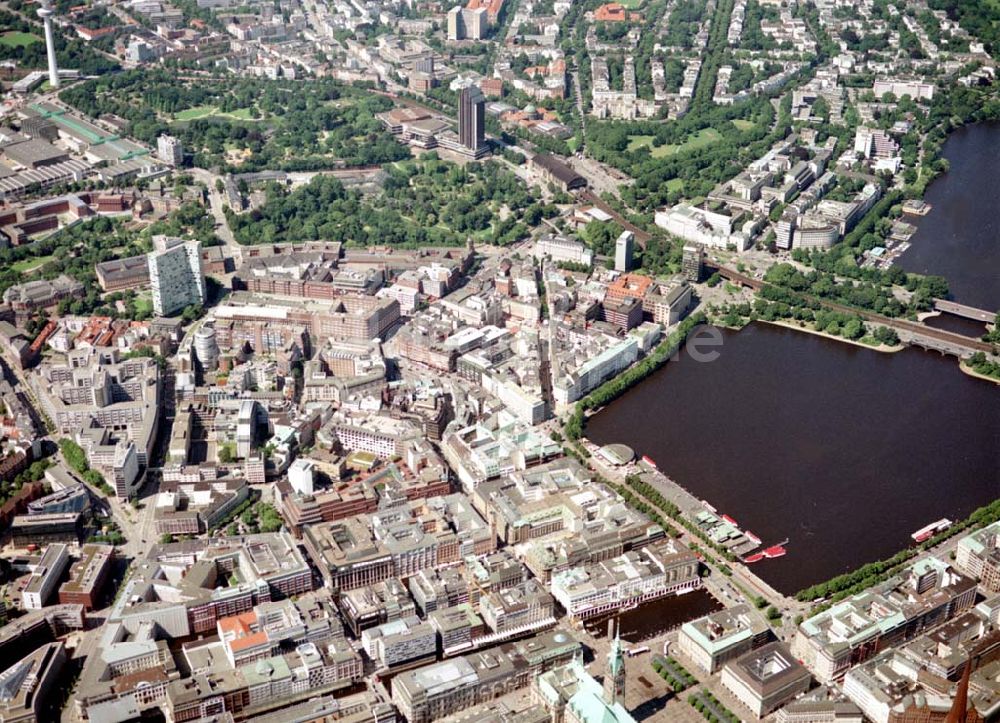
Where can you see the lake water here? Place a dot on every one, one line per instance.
(841, 449)
(960, 238)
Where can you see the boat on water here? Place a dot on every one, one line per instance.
(649, 460)
(769, 553)
(730, 520)
(752, 537)
(926, 533)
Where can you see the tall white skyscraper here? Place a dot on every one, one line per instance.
(624, 247)
(45, 13)
(175, 274)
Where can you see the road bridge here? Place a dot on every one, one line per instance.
(969, 312)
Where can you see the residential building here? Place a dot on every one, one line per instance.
(170, 150)
(175, 275)
(624, 248)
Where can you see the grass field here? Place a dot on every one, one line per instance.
(637, 142)
(143, 303)
(16, 39)
(28, 265)
(704, 137)
(675, 184)
(211, 111)
(743, 125)
(632, 4)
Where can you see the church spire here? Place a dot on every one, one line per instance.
(614, 678)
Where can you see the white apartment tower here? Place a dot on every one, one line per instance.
(175, 274)
(624, 247)
(170, 150)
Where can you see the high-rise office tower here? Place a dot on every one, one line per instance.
(693, 262)
(472, 119)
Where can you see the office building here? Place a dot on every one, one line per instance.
(926, 594)
(41, 529)
(668, 302)
(715, 639)
(28, 687)
(400, 641)
(193, 596)
(175, 275)
(765, 679)
(430, 693)
(74, 498)
(637, 576)
(45, 577)
(206, 347)
(975, 549)
(190, 507)
(693, 262)
(624, 248)
(472, 120)
(87, 577)
(397, 542)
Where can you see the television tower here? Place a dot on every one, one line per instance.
(45, 13)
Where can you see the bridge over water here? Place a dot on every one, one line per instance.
(969, 312)
(910, 332)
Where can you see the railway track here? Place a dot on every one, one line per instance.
(911, 327)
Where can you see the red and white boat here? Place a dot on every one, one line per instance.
(730, 520)
(926, 533)
(775, 551)
(649, 460)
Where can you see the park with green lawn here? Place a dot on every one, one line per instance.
(247, 123)
(18, 39)
(699, 139)
(26, 266)
(211, 111)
